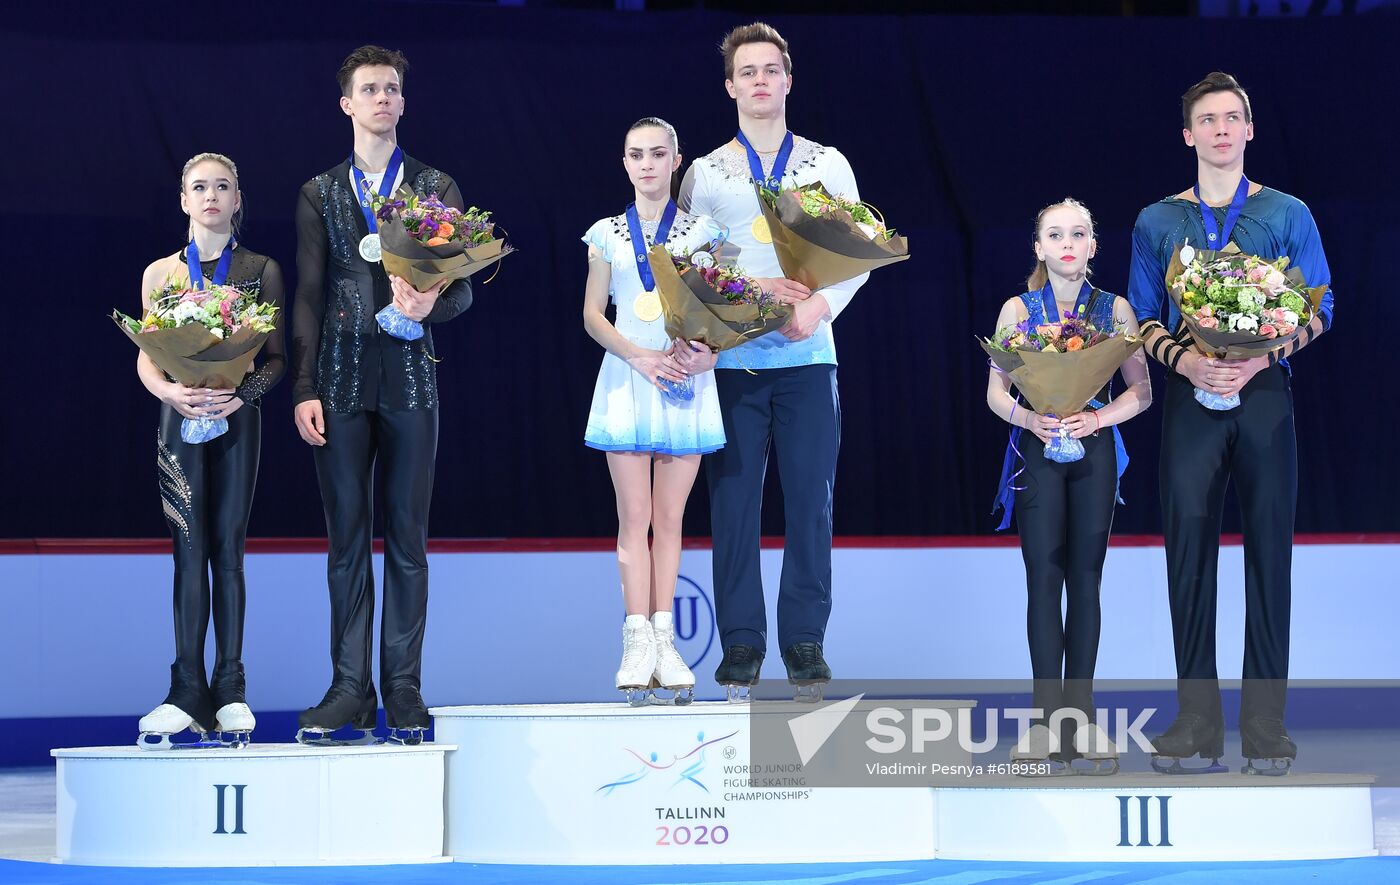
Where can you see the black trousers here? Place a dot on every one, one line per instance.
(1202, 450)
(1064, 513)
(796, 411)
(207, 493)
(405, 445)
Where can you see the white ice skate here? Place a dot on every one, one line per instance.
(234, 724)
(1031, 754)
(634, 677)
(167, 720)
(1094, 747)
(671, 673)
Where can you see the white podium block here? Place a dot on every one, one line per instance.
(610, 784)
(263, 805)
(1153, 817)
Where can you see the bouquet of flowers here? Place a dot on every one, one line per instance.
(1058, 367)
(823, 239)
(425, 241)
(1239, 306)
(702, 300)
(201, 338)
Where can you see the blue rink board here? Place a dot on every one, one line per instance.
(941, 872)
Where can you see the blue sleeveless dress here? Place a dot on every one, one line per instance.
(1098, 309)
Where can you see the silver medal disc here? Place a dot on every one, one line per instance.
(370, 250)
(1187, 253)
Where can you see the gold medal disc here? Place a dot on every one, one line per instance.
(760, 230)
(647, 306)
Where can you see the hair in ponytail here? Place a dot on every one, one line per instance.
(1036, 281)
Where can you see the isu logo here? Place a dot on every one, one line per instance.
(694, 614)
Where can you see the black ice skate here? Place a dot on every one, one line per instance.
(739, 671)
(343, 705)
(406, 714)
(1190, 735)
(807, 670)
(1268, 750)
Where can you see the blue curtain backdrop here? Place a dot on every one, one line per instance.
(959, 129)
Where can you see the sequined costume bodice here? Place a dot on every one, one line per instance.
(339, 353)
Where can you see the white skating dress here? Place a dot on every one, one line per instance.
(628, 413)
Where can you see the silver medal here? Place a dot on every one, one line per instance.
(370, 250)
(1187, 253)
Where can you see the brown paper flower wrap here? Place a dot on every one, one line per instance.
(695, 311)
(194, 356)
(820, 251)
(425, 266)
(1062, 383)
(1224, 344)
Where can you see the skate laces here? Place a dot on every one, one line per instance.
(407, 695)
(634, 643)
(666, 650)
(335, 693)
(740, 654)
(1267, 724)
(807, 654)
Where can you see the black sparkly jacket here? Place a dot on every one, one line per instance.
(339, 353)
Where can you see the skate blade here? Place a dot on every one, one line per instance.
(1172, 765)
(313, 737)
(162, 741)
(808, 692)
(234, 740)
(202, 741)
(636, 696)
(1277, 767)
(680, 696)
(406, 737)
(738, 694)
(1105, 767)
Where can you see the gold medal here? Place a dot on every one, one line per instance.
(647, 306)
(760, 230)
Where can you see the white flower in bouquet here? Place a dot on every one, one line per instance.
(188, 312)
(1250, 298)
(1244, 323)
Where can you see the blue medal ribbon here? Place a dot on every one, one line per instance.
(663, 230)
(1215, 237)
(220, 271)
(1051, 310)
(386, 186)
(1006, 487)
(772, 182)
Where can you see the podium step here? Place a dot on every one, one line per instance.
(1156, 818)
(266, 804)
(611, 784)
